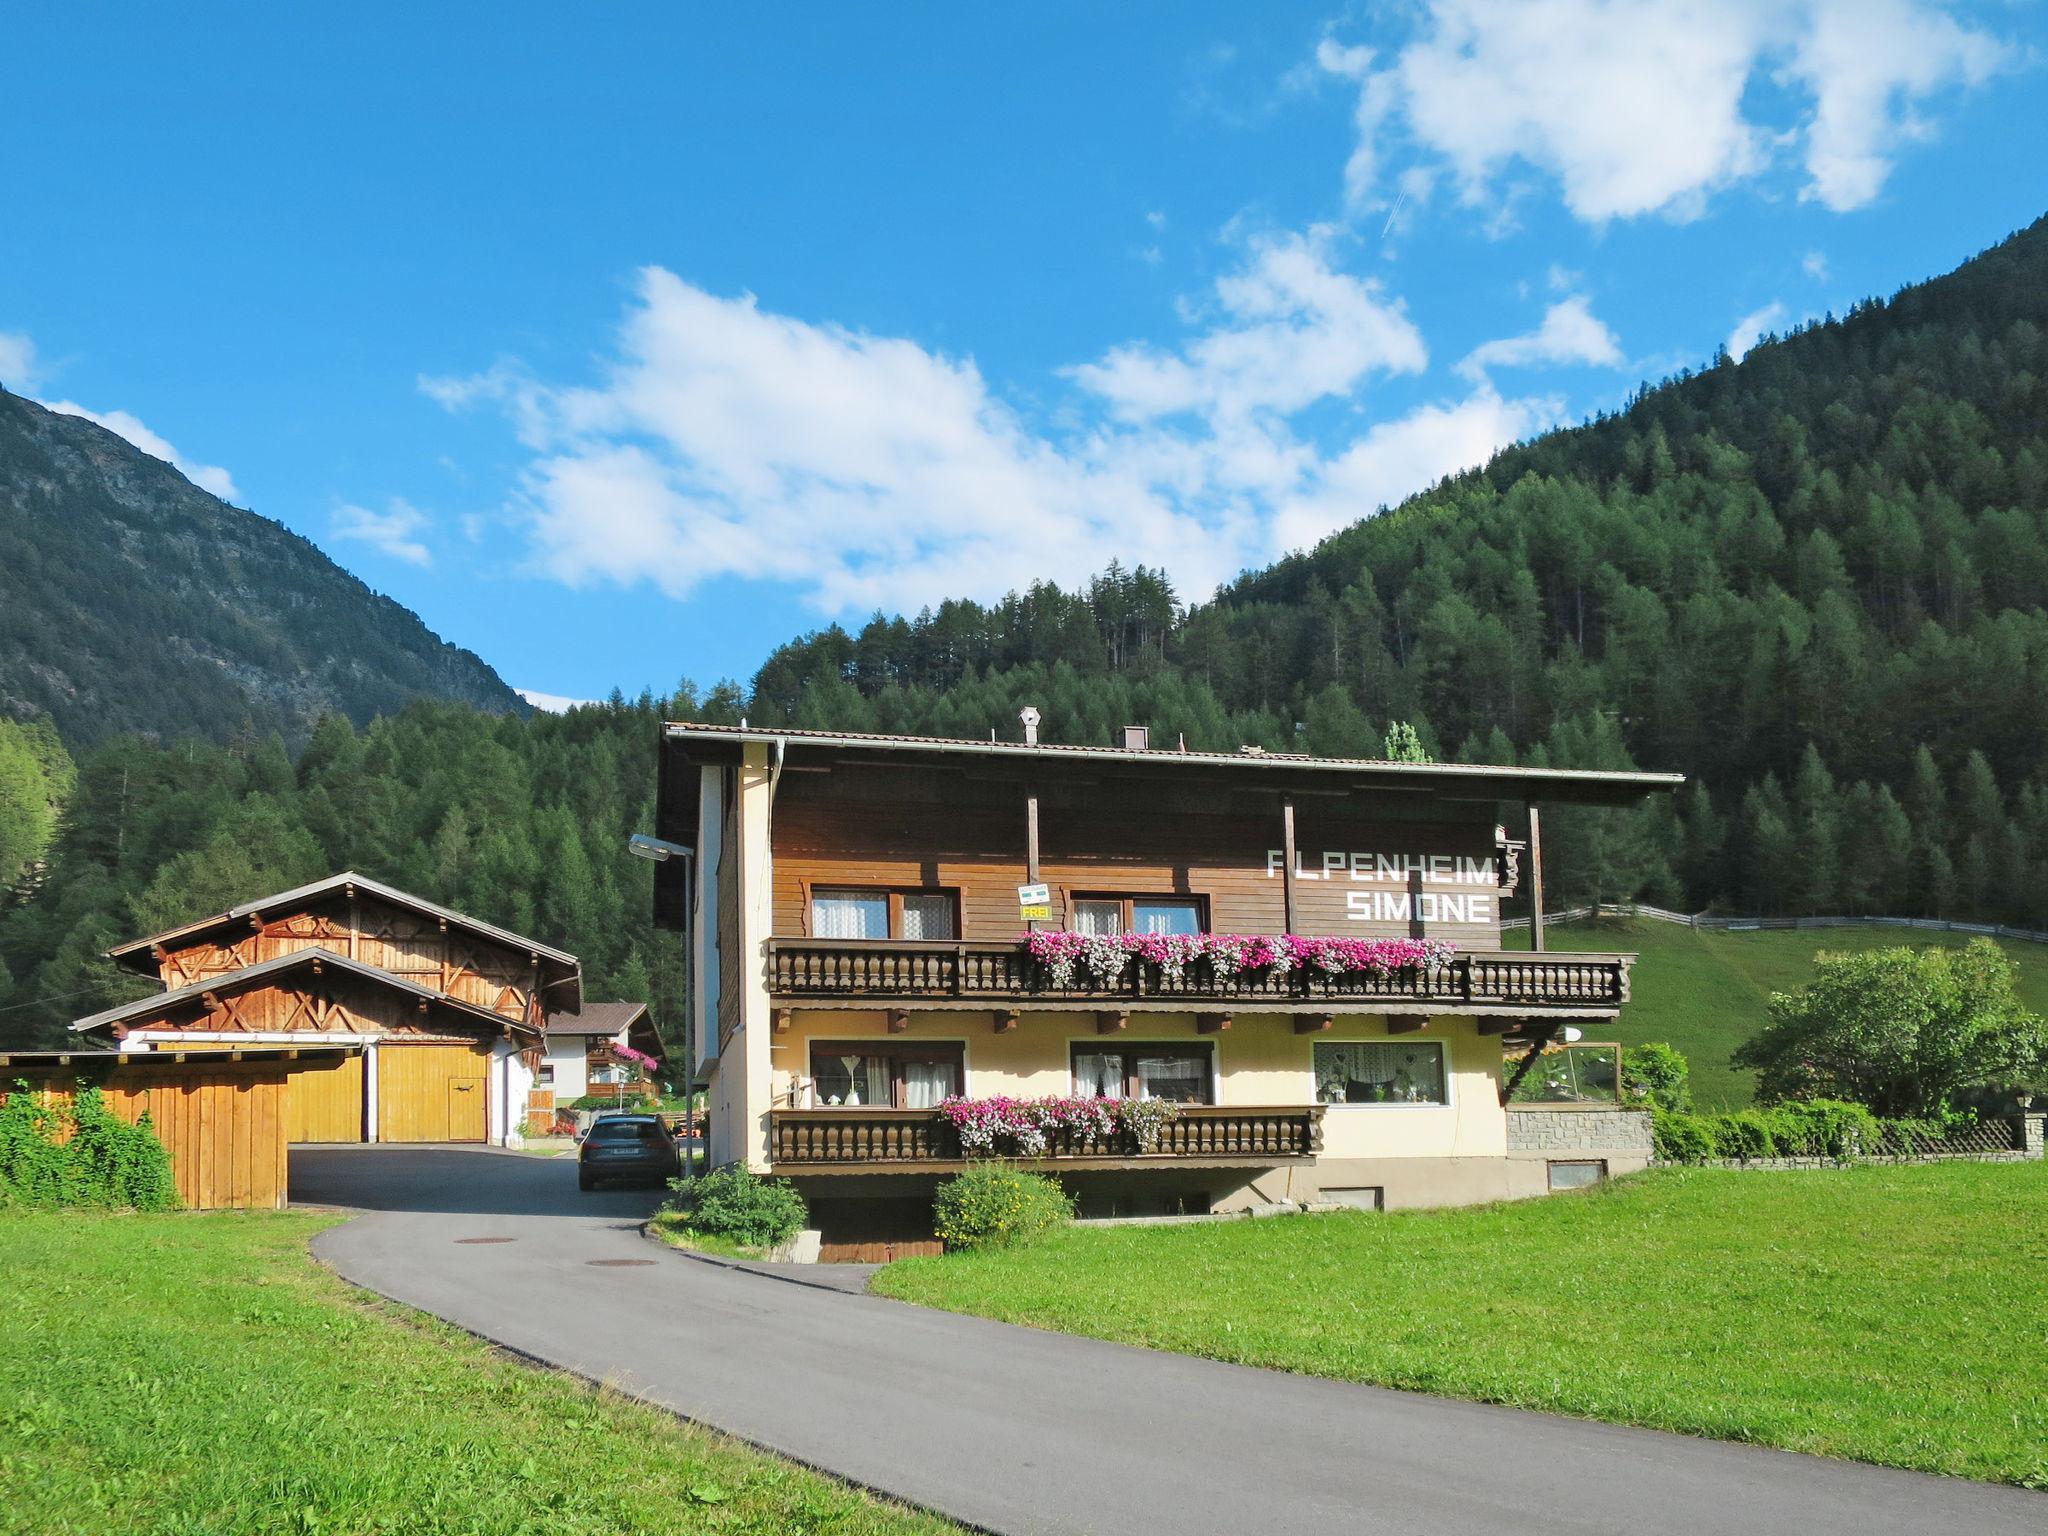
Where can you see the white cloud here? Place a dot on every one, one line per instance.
(1292, 330)
(1750, 329)
(1641, 107)
(724, 440)
(1398, 457)
(208, 477)
(553, 703)
(1867, 62)
(1570, 333)
(395, 531)
(18, 362)
(1815, 265)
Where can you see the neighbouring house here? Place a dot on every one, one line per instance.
(221, 1113)
(581, 1055)
(445, 1014)
(1301, 955)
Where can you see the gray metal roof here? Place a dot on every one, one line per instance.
(377, 888)
(229, 981)
(1515, 782)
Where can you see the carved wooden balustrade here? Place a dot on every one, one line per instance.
(880, 969)
(1204, 1133)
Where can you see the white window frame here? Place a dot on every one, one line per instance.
(1443, 1049)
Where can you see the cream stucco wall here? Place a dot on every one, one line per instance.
(740, 1080)
(1260, 1061)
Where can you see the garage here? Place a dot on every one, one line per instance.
(433, 1092)
(326, 1106)
(220, 1113)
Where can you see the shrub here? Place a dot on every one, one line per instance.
(1746, 1134)
(1682, 1138)
(1901, 1032)
(83, 1155)
(993, 1205)
(1825, 1128)
(107, 1161)
(31, 1152)
(1657, 1075)
(740, 1206)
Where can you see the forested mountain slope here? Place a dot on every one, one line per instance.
(1816, 581)
(132, 600)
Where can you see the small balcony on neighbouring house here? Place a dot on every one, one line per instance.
(845, 1139)
(905, 971)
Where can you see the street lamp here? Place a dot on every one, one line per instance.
(659, 849)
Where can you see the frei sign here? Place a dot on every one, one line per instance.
(1398, 887)
(1034, 903)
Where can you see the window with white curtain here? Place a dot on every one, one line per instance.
(1098, 1074)
(850, 915)
(928, 915)
(1180, 1073)
(1380, 1072)
(1150, 916)
(1099, 919)
(878, 1075)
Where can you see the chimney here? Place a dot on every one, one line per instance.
(1029, 715)
(1137, 738)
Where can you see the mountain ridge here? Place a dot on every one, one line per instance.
(220, 618)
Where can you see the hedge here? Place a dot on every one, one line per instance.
(1827, 1128)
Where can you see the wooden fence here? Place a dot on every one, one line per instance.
(1755, 924)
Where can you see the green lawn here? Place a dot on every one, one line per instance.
(1892, 1315)
(199, 1373)
(1706, 992)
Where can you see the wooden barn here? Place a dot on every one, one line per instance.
(445, 1013)
(222, 1114)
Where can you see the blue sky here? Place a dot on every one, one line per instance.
(624, 342)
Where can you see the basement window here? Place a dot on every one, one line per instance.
(1577, 1174)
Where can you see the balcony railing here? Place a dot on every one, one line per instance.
(1201, 1133)
(882, 969)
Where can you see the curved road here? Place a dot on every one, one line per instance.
(1021, 1431)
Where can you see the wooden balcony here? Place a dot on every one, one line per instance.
(912, 1140)
(880, 971)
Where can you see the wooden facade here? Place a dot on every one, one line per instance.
(359, 923)
(222, 1116)
(861, 897)
(450, 1010)
(1403, 871)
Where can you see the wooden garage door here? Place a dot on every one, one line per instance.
(325, 1103)
(431, 1092)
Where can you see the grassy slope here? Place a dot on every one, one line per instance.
(202, 1374)
(1705, 992)
(1886, 1314)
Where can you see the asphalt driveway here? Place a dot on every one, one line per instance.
(1018, 1430)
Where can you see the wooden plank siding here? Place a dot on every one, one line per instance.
(432, 1092)
(334, 1003)
(223, 1127)
(418, 948)
(324, 1104)
(854, 830)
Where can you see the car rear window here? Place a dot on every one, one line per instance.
(625, 1130)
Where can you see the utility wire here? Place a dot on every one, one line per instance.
(39, 1001)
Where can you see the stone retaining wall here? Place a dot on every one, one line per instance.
(1561, 1132)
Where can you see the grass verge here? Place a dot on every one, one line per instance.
(1706, 990)
(1892, 1315)
(670, 1227)
(199, 1373)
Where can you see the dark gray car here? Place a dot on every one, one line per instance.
(637, 1147)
